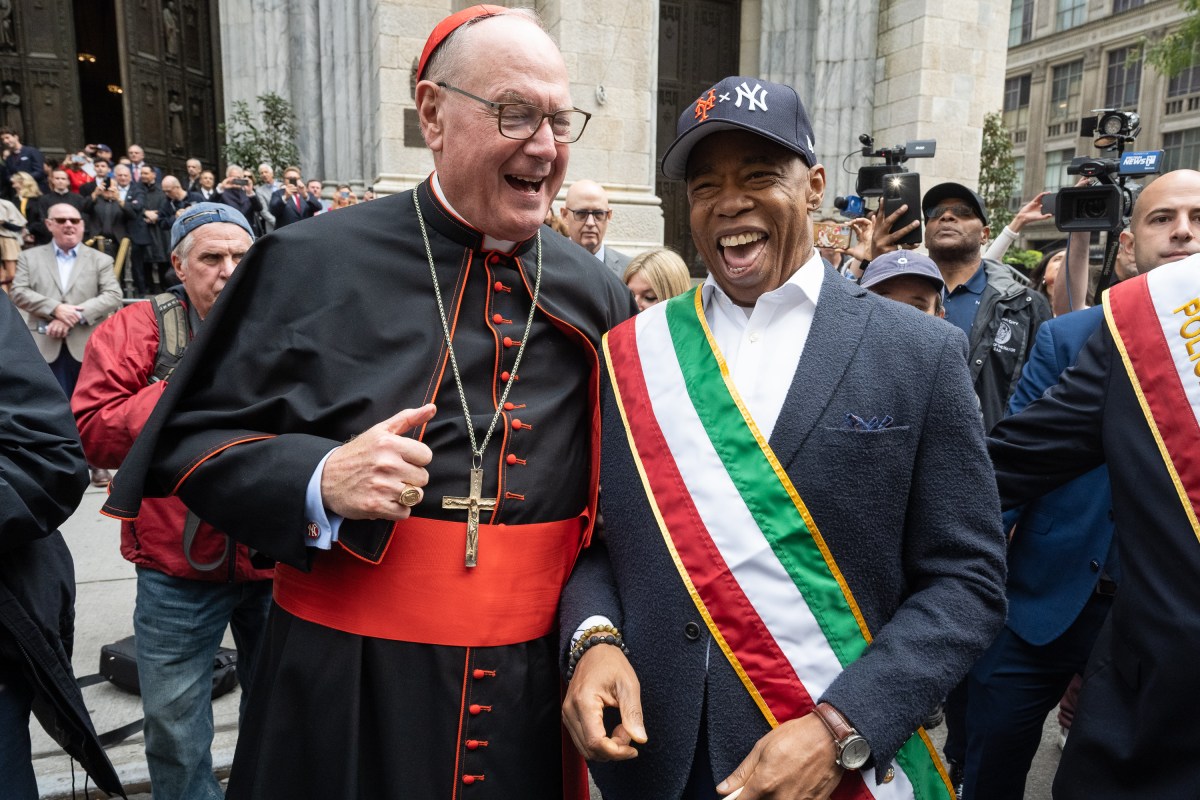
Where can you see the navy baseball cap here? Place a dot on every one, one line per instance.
(771, 110)
(204, 213)
(934, 197)
(902, 262)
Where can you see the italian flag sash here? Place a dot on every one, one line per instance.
(743, 541)
(1155, 323)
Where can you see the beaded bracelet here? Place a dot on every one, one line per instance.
(587, 644)
(592, 631)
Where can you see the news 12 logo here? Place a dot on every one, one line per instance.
(1146, 162)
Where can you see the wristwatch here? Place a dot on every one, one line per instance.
(853, 751)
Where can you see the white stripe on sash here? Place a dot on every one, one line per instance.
(732, 527)
(1170, 287)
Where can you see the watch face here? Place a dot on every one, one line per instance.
(855, 752)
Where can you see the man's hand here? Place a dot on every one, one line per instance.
(883, 238)
(57, 330)
(363, 479)
(796, 761)
(1030, 212)
(603, 679)
(68, 315)
(150, 215)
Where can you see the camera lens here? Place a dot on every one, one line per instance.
(1092, 208)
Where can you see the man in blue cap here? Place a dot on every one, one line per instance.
(907, 277)
(192, 580)
(803, 550)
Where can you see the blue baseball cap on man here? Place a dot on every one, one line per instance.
(202, 214)
(771, 110)
(902, 262)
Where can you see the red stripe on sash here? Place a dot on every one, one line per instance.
(731, 611)
(728, 605)
(1158, 380)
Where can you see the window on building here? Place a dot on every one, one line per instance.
(1124, 77)
(1020, 22)
(1016, 103)
(1066, 83)
(1125, 5)
(1186, 82)
(1182, 150)
(1015, 202)
(1070, 14)
(1057, 162)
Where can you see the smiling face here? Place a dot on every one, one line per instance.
(750, 200)
(1165, 226)
(501, 186)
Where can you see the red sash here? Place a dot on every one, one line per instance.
(1155, 323)
(422, 592)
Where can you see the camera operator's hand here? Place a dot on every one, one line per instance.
(1030, 212)
(883, 238)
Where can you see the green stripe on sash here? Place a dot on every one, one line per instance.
(750, 468)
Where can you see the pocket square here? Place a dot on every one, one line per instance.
(855, 422)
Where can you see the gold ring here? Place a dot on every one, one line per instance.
(410, 496)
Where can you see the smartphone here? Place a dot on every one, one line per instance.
(831, 234)
(240, 182)
(344, 194)
(899, 189)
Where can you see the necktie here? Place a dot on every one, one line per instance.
(297, 198)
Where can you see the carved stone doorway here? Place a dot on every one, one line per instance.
(697, 46)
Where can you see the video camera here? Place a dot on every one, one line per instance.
(1107, 203)
(870, 182)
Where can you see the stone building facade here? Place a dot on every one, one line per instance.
(1068, 57)
(900, 69)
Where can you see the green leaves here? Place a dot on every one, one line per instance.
(268, 136)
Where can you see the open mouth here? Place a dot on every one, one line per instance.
(741, 250)
(528, 185)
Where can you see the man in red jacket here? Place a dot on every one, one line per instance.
(192, 580)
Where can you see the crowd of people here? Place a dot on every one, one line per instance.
(123, 198)
(432, 461)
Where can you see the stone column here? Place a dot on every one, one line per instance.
(611, 54)
(940, 68)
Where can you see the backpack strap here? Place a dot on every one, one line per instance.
(172, 334)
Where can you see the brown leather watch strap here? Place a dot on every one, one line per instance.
(839, 727)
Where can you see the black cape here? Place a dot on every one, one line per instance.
(327, 328)
(42, 477)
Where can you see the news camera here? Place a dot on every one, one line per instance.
(870, 181)
(1106, 204)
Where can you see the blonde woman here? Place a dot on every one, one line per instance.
(656, 275)
(26, 190)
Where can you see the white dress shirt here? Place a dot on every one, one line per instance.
(763, 345)
(66, 263)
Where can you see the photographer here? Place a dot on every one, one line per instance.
(293, 202)
(237, 190)
(109, 217)
(344, 197)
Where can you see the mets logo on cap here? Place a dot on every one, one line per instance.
(771, 110)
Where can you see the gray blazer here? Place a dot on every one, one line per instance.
(616, 261)
(36, 290)
(909, 512)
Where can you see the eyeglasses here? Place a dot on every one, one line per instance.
(521, 121)
(66, 220)
(582, 214)
(960, 211)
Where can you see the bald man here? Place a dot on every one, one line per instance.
(586, 214)
(1132, 393)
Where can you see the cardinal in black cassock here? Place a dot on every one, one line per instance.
(393, 669)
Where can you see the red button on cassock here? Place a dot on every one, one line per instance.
(499, 287)
(504, 376)
(509, 406)
(497, 318)
(475, 709)
(493, 259)
(511, 459)
(508, 342)
(517, 424)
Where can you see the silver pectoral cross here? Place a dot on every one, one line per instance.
(472, 504)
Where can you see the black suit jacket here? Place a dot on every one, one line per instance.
(285, 212)
(910, 514)
(1134, 734)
